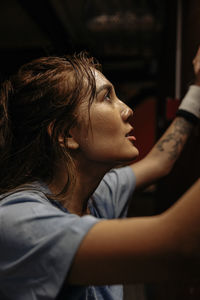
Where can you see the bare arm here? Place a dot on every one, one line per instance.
(150, 249)
(164, 154)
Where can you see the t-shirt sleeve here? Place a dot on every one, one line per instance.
(110, 200)
(38, 244)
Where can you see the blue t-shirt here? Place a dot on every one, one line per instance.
(39, 239)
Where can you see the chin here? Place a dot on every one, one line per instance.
(128, 160)
(135, 154)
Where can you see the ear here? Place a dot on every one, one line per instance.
(70, 142)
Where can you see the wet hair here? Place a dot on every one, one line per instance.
(43, 93)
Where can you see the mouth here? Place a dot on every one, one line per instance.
(130, 135)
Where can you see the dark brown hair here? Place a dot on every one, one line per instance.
(45, 91)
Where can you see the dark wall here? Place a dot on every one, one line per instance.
(187, 168)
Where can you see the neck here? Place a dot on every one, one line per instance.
(88, 177)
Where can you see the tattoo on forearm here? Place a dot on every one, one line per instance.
(172, 143)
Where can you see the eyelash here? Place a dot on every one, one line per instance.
(108, 95)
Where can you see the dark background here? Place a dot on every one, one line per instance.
(136, 42)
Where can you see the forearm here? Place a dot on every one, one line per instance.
(148, 249)
(184, 222)
(168, 148)
(161, 158)
(164, 154)
(171, 143)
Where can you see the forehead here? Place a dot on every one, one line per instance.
(100, 79)
(101, 83)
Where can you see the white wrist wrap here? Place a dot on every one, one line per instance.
(191, 101)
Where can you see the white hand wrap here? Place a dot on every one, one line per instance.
(191, 101)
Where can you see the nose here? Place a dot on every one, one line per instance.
(126, 112)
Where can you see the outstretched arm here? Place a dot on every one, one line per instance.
(164, 154)
(146, 249)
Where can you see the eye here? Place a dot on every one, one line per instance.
(107, 96)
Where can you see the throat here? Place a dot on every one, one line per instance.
(79, 208)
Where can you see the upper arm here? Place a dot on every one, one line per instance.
(45, 240)
(145, 249)
(127, 251)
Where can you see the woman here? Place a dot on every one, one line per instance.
(62, 129)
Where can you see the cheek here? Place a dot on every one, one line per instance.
(105, 127)
(102, 137)
(103, 143)
(98, 137)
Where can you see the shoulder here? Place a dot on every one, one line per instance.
(28, 216)
(26, 200)
(42, 235)
(118, 178)
(110, 200)
(28, 220)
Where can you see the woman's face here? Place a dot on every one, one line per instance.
(105, 134)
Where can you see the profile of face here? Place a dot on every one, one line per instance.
(104, 133)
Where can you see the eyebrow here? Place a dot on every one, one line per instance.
(104, 87)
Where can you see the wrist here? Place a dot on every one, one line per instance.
(187, 116)
(191, 103)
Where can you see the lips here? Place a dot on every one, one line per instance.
(130, 135)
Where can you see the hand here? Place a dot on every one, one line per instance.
(196, 66)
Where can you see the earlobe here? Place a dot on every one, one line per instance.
(70, 142)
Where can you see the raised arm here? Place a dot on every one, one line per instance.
(164, 154)
(147, 249)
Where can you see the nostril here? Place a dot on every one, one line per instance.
(128, 115)
(131, 119)
(126, 111)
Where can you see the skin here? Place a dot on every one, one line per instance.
(196, 65)
(97, 145)
(161, 158)
(148, 249)
(104, 139)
